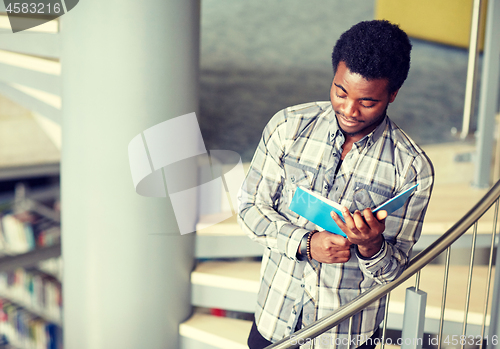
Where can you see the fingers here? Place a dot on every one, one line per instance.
(352, 223)
(361, 229)
(381, 215)
(337, 218)
(338, 240)
(341, 257)
(330, 248)
(375, 223)
(359, 223)
(332, 255)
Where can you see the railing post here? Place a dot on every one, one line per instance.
(412, 336)
(494, 328)
(470, 88)
(488, 103)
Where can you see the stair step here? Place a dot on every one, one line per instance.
(234, 286)
(239, 275)
(207, 331)
(203, 331)
(431, 231)
(438, 228)
(218, 238)
(218, 224)
(431, 281)
(215, 224)
(226, 285)
(224, 239)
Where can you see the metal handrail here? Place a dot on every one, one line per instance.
(418, 262)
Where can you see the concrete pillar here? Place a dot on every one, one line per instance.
(126, 66)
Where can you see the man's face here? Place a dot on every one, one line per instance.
(359, 104)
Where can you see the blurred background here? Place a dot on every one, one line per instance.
(261, 61)
(255, 58)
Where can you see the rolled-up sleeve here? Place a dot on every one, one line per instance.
(261, 191)
(403, 227)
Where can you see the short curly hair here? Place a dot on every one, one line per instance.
(375, 49)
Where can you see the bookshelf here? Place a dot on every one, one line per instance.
(30, 271)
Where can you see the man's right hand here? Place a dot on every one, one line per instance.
(330, 248)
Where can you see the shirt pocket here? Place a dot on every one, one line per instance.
(368, 196)
(296, 175)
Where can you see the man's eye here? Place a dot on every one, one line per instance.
(367, 105)
(339, 96)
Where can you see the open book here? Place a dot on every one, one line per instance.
(316, 208)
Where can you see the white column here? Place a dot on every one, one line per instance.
(127, 66)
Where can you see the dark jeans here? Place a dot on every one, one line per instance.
(256, 341)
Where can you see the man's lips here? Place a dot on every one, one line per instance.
(349, 121)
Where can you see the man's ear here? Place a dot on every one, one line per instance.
(393, 95)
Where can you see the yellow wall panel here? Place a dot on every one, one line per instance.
(442, 21)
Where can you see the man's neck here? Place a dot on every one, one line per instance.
(346, 147)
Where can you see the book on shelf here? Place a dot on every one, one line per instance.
(38, 293)
(30, 299)
(20, 233)
(317, 209)
(21, 329)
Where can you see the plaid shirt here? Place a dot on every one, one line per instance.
(301, 146)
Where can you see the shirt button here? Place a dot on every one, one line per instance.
(294, 312)
(326, 186)
(288, 327)
(302, 286)
(293, 179)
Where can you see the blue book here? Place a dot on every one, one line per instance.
(317, 208)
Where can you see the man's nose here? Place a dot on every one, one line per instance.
(350, 109)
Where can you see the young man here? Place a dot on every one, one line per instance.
(349, 151)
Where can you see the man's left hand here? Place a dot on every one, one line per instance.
(364, 231)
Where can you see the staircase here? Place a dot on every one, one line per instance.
(230, 285)
(233, 286)
(227, 274)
